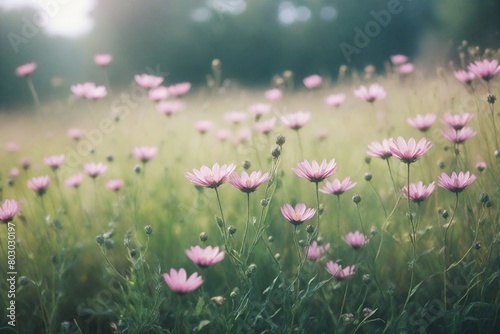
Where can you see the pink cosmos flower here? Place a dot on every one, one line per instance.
(340, 274)
(114, 185)
(295, 120)
(259, 109)
(203, 126)
(13, 173)
(25, 163)
(93, 169)
(314, 252)
(422, 122)
(371, 94)
(148, 81)
(54, 161)
(248, 183)
(356, 240)
(39, 184)
(312, 81)
(244, 135)
(265, 127)
(458, 136)
(12, 147)
(274, 94)
(178, 281)
(211, 178)
(457, 121)
(235, 117)
(205, 257)
(411, 151)
(26, 69)
(322, 134)
(485, 69)
(74, 181)
(338, 187)
(315, 172)
(8, 211)
(89, 91)
(297, 215)
(418, 192)
(75, 134)
(380, 150)
(465, 76)
(223, 134)
(179, 89)
(158, 94)
(399, 59)
(455, 183)
(335, 100)
(103, 59)
(405, 69)
(169, 108)
(481, 166)
(145, 153)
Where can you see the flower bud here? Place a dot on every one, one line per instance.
(348, 317)
(270, 238)
(219, 221)
(497, 154)
(99, 239)
(251, 270)
(276, 152)
(491, 99)
(356, 198)
(477, 246)
(277, 256)
(302, 243)
(445, 214)
(367, 279)
(368, 177)
(109, 243)
(234, 293)
(280, 140)
(321, 209)
(484, 198)
(148, 229)
(310, 229)
(203, 236)
(367, 311)
(133, 253)
(109, 158)
(264, 202)
(219, 300)
(368, 160)
(247, 164)
(23, 280)
(441, 164)
(137, 169)
(231, 229)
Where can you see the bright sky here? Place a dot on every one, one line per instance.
(66, 18)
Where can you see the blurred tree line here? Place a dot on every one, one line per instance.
(180, 38)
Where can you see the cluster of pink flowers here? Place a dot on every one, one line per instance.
(422, 122)
(89, 91)
(457, 132)
(484, 69)
(313, 81)
(8, 211)
(371, 94)
(403, 67)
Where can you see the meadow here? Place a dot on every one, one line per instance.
(130, 192)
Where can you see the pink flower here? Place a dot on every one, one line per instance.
(145, 153)
(159, 93)
(422, 122)
(13, 173)
(8, 211)
(169, 108)
(338, 187)
(103, 59)
(211, 178)
(74, 181)
(25, 163)
(223, 134)
(411, 151)
(203, 126)
(205, 257)
(457, 121)
(244, 135)
(418, 192)
(405, 69)
(54, 161)
(464, 76)
(89, 91)
(179, 89)
(259, 109)
(274, 94)
(315, 172)
(235, 117)
(481, 166)
(371, 94)
(248, 183)
(26, 69)
(340, 274)
(455, 183)
(335, 100)
(312, 81)
(458, 136)
(295, 120)
(314, 252)
(39, 184)
(178, 281)
(148, 81)
(485, 69)
(265, 127)
(399, 59)
(12, 147)
(297, 215)
(93, 169)
(75, 134)
(380, 150)
(114, 185)
(356, 240)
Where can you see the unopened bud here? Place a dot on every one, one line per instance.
(133, 253)
(367, 278)
(263, 202)
(203, 236)
(477, 246)
(219, 221)
(368, 177)
(368, 160)
(356, 198)
(321, 209)
(219, 300)
(247, 164)
(276, 152)
(137, 169)
(484, 198)
(445, 214)
(491, 99)
(99, 239)
(270, 238)
(148, 229)
(441, 164)
(277, 256)
(231, 229)
(280, 140)
(310, 229)
(302, 243)
(23, 280)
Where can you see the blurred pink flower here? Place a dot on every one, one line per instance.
(465, 76)
(54, 161)
(457, 121)
(145, 153)
(455, 183)
(380, 150)
(75, 134)
(406, 69)
(205, 257)
(178, 281)
(295, 120)
(259, 109)
(114, 185)
(338, 187)
(322, 134)
(411, 151)
(223, 134)
(12, 147)
(39, 184)
(458, 136)
(248, 183)
(13, 173)
(418, 192)
(422, 122)
(312, 81)
(148, 81)
(169, 108)
(211, 178)
(274, 94)
(481, 166)
(335, 100)
(355, 239)
(314, 252)
(371, 94)
(25, 163)
(89, 91)
(158, 94)
(74, 181)
(93, 169)
(26, 69)
(103, 59)
(486, 69)
(399, 59)
(179, 89)
(340, 274)
(203, 126)
(244, 135)
(297, 215)
(315, 172)
(8, 211)
(265, 127)
(235, 117)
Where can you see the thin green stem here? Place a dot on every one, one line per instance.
(444, 251)
(34, 94)
(246, 225)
